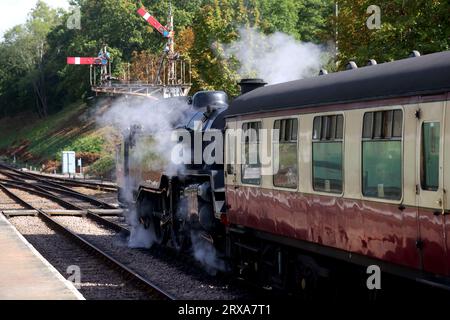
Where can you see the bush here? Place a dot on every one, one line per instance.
(85, 145)
(103, 167)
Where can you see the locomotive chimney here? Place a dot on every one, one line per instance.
(248, 85)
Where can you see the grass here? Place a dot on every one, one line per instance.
(40, 141)
(43, 138)
(92, 143)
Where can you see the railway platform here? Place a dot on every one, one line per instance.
(25, 274)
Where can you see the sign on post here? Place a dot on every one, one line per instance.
(68, 162)
(80, 165)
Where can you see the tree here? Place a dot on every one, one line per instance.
(280, 16)
(41, 22)
(24, 51)
(314, 23)
(406, 25)
(128, 36)
(216, 23)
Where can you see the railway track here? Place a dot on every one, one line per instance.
(48, 217)
(73, 201)
(97, 226)
(19, 174)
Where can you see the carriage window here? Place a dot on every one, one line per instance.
(285, 151)
(231, 151)
(382, 154)
(430, 156)
(196, 122)
(328, 133)
(251, 165)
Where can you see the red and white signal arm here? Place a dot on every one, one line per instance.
(83, 60)
(154, 23)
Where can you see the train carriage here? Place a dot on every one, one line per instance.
(363, 172)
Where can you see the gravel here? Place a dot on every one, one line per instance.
(6, 203)
(83, 204)
(36, 201)
(87, 191)
(98, 280)
(2, 176)
(108, 197)
(167, 271)
(120, 220)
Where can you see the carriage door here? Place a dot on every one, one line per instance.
(230, 161)
(429, 186)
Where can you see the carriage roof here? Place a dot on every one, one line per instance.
(424, 75)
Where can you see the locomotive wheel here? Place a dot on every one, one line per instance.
(179, 235)
(306, 278)
(151, 222)
(179, 240)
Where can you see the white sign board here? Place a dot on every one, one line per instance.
(68, 162)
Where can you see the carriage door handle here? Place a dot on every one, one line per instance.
(442, 212)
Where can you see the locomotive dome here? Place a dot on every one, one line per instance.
(203, 99)
(428, 74)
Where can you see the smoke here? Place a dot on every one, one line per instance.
(151, 151)
(154, 122)
(276, 58)
(139, 236)
(202, 247)
(153, 115)
(205, 253)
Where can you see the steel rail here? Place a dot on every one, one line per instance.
(62, 189)
(52, 223)
(67, 205)
(43, 191)
(36, 176)
(82, 183)
(76, 183)
(79, 196)
(36, 190)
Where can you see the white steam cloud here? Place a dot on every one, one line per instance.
(205, 253)
(156, 120)
(276, 58)
(139, 236)
(152, 153)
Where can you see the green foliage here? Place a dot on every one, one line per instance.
(215, 23)
(116, 23)
(22, 77)
(315, 20)
(102, 167)
(280, 16)
(91, 143)
(219, 21)
(422, 25)
(45, 138)
(34, 75)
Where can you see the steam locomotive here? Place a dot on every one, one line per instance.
(362, 176)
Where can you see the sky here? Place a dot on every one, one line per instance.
(14, 12)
